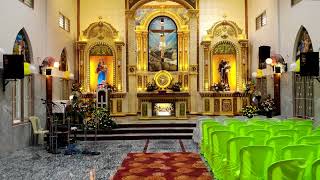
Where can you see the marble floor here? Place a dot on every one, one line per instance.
(34, 163)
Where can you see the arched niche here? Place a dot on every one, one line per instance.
(63, 64)
(100, 42)
(22, 96)
(303, 85)
(135, 4)
(142, 38)
(225, 40)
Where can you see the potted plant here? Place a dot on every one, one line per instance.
(102, 115)
(249, 111)
(268, 106)
(220, 87)
(176, 86)
(151, 87)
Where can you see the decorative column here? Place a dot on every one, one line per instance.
(132, 62)
(119, 71)
(180, 51)
(245, 60)
(206, 49)
(144, 50)
(81, 65)
(192, 60)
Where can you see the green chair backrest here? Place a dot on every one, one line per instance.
(276, 127)
(305, 122)
(234, 125)
(234, 145)
(288, 132)
(292, 169)
(219, 142)
(206, 142)
(310, 140)
(279, 142)
(254, 161)
(307, 152)
(316, 132)
(204, 128)
(264, 123)
(303, 130)
(227, 121)
(260, 136)
(35, 122)
(316, 170)
(288, 123)
(243, 130)
(212, 129)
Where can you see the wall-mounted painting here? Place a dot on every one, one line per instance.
(163, 45)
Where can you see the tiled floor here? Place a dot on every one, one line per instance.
(36, 164)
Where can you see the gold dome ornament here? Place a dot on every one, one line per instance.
(163, 79)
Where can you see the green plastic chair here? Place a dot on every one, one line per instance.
(316, 170)
(254, 161)
(292, 169)
(288, 132)
(218, 150)
(234, 125)
(316, 132)
(310, 140)
(279, 142)
(288, 123)
(276, 127)
(260, 136)
(307, 152)
(227, 121)
(208, 143)
(243, 130)
(303, 130)
(305, 122)
(264, 123)
(204, 133)
(234, 145)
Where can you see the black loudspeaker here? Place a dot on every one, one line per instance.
(277, 69)
(13, 66)
(309, 64)
(48, 72)
(264, 53)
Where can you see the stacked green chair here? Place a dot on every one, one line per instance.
(288, 132)
(204, 133)
(288, 123)
(254, 161)
(279, 142)
(316, 170)
(218, 153)
(303, 130)
(264, 123)
(305, 122)
(310, 140)
(307, 152)
(260, 136)
(275, 128)
(316, 132)
(234, 125)
(234, 145)
(227, 121)
(243, 130)
(208, 144)
(292, 169)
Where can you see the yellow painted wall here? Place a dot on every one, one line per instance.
(216, 59)
(94, 60)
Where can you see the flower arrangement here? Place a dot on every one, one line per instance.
(268, 104)
(151, 86)
(220, 87)
(249, 111)
(107, 86)
(176, 86)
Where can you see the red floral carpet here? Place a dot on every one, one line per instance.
(162, 166)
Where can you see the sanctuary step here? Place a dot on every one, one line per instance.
(143, 131)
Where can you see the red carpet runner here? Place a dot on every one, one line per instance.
(162, 166)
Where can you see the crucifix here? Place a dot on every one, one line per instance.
(162, 31)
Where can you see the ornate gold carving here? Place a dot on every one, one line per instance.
(226, 105)
(214, 94)
(182, 109)
(100, 30)
(216, 105)
(163, 79)
(132, 69)
(207, 105)
(193, 13)
(235, 105)
(224, 29)
(135, 4)
(194, 69)
(101, 50)
(119, 105)
(224, 48)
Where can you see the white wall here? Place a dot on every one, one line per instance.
(212, 11)
(112, 12)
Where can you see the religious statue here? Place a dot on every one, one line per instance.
(224, 68)
(102, 72)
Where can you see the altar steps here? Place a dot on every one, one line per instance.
(143, 131)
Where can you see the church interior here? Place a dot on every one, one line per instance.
(160, 89)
